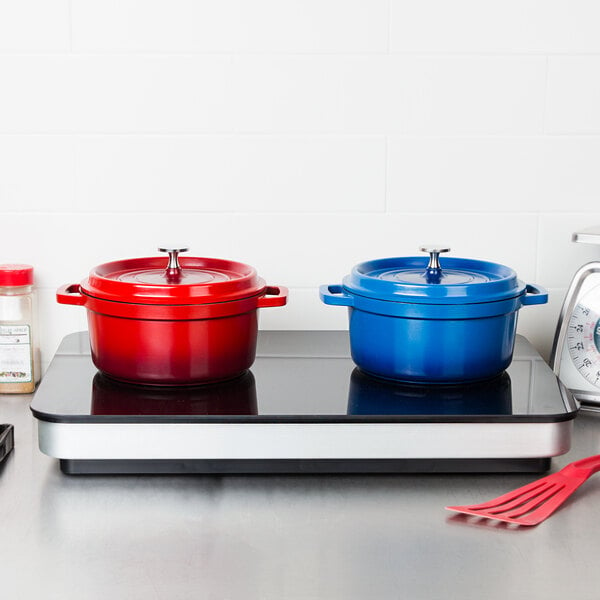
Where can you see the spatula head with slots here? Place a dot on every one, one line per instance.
(535, 502)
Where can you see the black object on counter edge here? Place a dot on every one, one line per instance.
(7, 441)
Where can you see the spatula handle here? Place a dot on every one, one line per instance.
(586, 466)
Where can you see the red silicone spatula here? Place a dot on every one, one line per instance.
(532, 503)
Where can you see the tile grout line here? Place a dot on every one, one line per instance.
(389, 27)
(70, 17)
(73, 147)
(386, 171)
(295, 135)
(545, 100)
(289, 213)
(302, 53)
(538, 243)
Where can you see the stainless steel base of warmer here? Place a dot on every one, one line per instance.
(303, 447)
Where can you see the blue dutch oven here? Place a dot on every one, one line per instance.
(419, 320)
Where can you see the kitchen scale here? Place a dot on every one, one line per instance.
(575, 356)
(304, 407)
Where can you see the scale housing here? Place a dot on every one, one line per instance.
(303, 408)
(583, 292)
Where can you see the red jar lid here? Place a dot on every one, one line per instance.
(185, 280)
(16, 275)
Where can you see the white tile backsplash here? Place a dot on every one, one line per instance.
(235, 173)
(558, 256)
(573, 95)
(306, 250)
(172, 26)
(36, 173)
(117, 94)
(296, 249)
(34, 26)
(510, 26)
(256, 93)
(391, 93)
(300, 136)
(510, 174)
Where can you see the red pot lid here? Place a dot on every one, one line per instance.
(185, 280)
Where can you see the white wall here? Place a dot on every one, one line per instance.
(300, 136)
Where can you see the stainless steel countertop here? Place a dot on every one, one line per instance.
(372, 536)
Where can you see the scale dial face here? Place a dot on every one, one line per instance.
(583, 338)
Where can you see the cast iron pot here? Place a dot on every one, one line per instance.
(416, 320)
(189, 323)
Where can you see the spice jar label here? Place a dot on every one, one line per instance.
(15, 354)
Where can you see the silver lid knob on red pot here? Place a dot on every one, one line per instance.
(173, 268)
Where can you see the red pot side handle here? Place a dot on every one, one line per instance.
(70, 294)
(274, 296)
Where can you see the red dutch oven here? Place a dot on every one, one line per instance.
(191, 321)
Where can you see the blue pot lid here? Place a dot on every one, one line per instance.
(433, 280)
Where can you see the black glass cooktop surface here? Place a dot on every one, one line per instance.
(299, 377)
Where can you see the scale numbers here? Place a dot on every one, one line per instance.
(583, 341)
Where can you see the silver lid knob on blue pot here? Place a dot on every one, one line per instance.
(433, 273)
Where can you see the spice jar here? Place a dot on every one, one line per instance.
(19, 346)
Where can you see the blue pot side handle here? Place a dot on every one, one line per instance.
(534, 294)
(335, 295)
